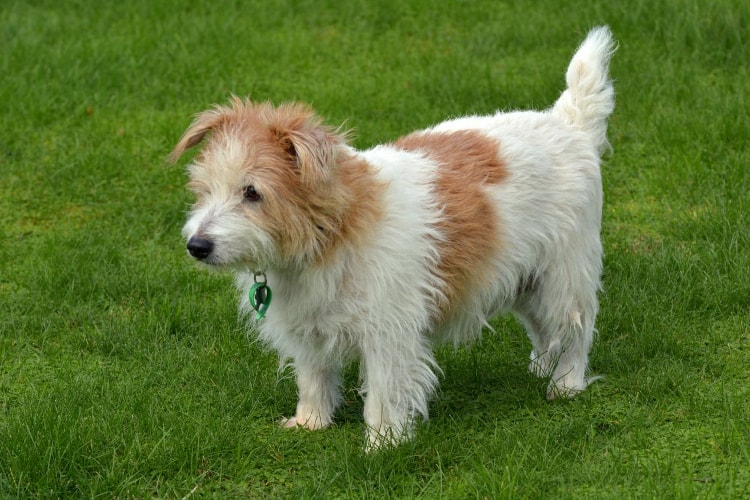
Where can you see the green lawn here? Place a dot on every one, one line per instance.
(124, 371)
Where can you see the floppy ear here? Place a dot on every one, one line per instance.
(312, 145)
(203, 124)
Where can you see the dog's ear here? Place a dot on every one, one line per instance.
(310, 144)
(204, 123)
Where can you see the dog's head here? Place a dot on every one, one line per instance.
(265, 184)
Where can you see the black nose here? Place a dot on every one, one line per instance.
(200, 248)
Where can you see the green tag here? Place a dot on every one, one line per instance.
(260, 298)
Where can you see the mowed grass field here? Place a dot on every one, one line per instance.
(124, 371)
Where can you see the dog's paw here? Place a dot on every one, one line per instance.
(386, 437)
(310, 423)
(567, 389)
(559, 391)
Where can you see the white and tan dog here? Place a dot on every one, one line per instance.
(381, 254)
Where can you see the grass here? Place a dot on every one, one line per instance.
(124, 371)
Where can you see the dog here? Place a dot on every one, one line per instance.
(379, 255)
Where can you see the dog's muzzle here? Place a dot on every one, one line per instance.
(200, 248)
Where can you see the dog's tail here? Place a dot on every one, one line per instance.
(590, 96)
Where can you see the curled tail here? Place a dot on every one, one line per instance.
(590, 96)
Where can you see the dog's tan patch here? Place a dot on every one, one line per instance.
(468, 160)
(335, 199)
(361, 207)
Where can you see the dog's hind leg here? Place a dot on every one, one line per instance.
(561, 344)
(570, 345)
(560, 314)
(543, 356)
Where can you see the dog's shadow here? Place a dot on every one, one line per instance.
(478, 382)
(484, 380)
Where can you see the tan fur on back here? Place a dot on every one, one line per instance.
(468, 160)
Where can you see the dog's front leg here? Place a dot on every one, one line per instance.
(398, 381)
(319, 395)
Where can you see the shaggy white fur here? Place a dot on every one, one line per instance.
(380, 254)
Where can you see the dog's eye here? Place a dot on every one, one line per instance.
(251, 194)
